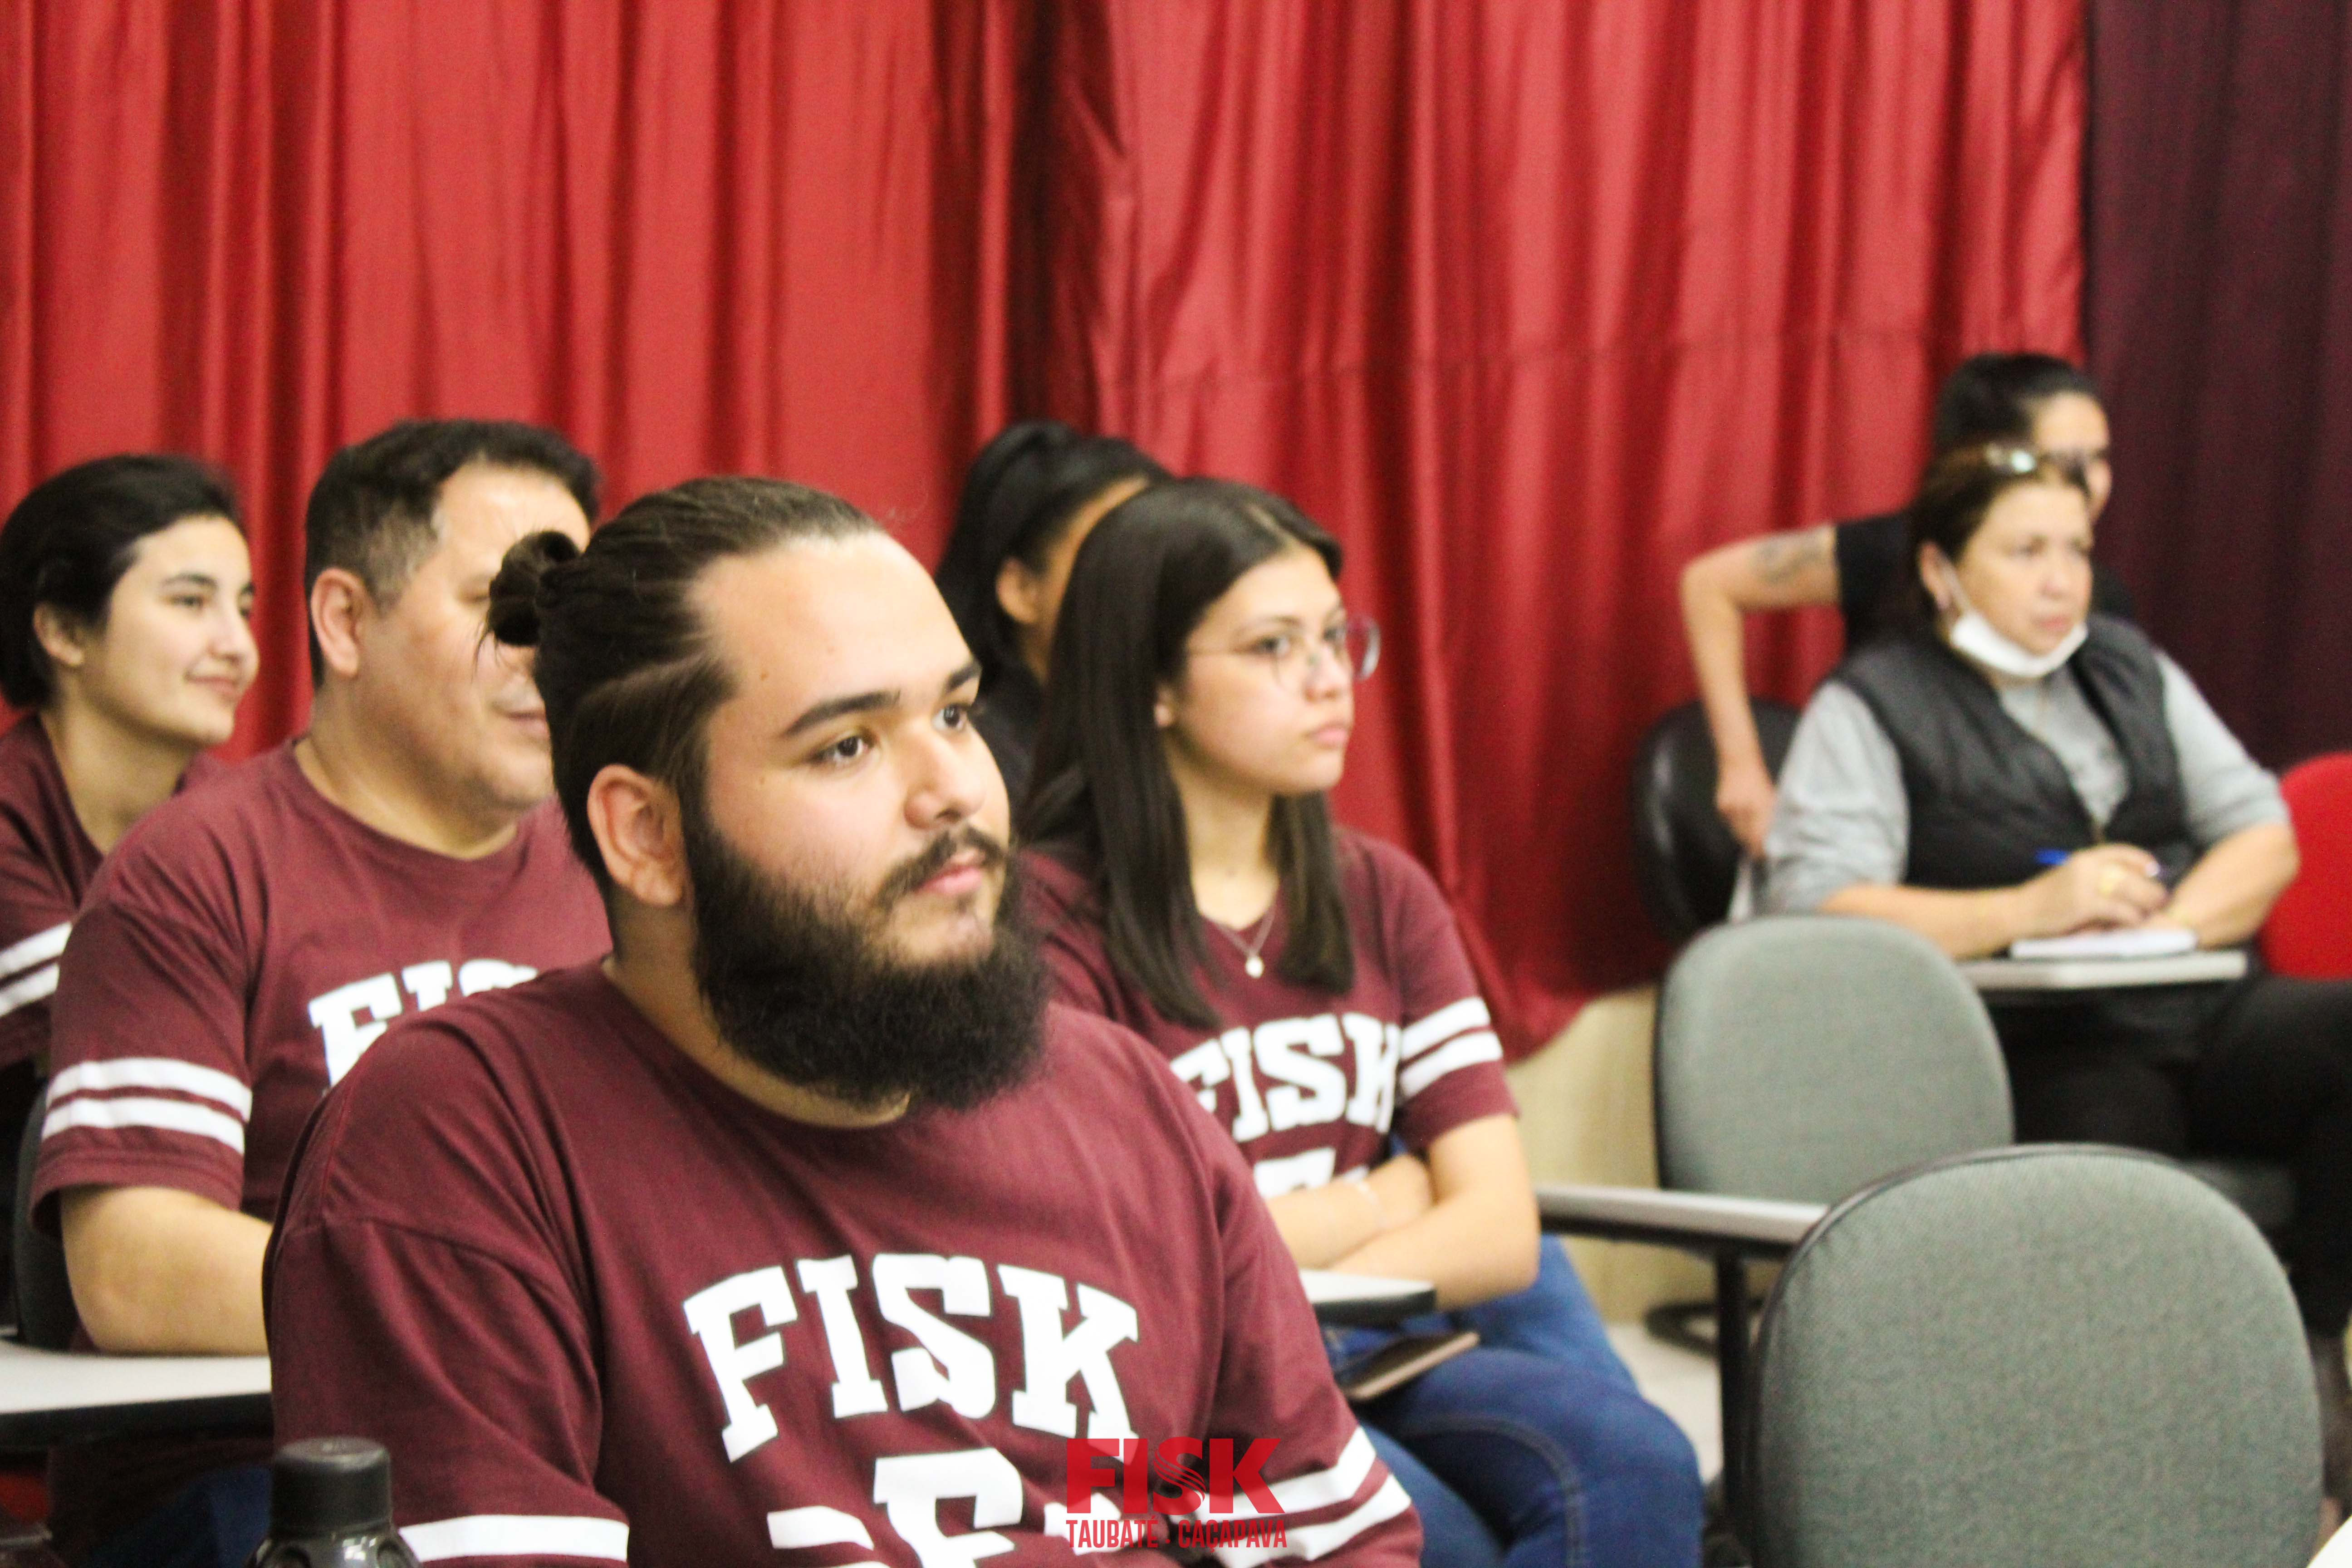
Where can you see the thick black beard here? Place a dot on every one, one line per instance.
(800, 985)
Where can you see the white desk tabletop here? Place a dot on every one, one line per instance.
(2009, 975)
(48, 1395)
(1365, 1298)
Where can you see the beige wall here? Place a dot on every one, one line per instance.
(1584, 1104)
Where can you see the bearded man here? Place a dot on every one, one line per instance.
(800, 1223)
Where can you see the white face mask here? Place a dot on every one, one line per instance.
(1973, 638)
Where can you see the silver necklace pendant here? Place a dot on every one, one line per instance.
(1253, 966)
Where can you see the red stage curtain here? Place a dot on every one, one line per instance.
(695, 237)
(2219, 318)
(1527, 299)
(1531, 303)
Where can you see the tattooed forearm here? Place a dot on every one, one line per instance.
(1781, 556)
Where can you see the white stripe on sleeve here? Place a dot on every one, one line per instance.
(170, 1115)
(790, 1528)
(520, 1535)
(38, 948)
(1313, 1540)
(1321, 1489)
(36, 987)
(154, 1072)
(1466, 1052)
(1470, 1012)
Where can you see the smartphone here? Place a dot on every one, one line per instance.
(1399, 1361)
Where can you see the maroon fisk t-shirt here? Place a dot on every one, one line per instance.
(47, 862)
(1308, 1083)
(237, 951)
(602, 1308)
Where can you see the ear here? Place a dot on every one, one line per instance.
(1018, 592)
(1164, 708)
(339, 607)
(1936, 574)
(637, 828)
(60, 636)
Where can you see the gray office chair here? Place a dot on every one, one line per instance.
(1804, 1056)
(2035, 1357)
(44, 1309)
(1798, 1059)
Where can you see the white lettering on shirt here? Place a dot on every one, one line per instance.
(1374, 1102)
(1303, 1085)
(1049, 1358)
(951, 1364)
(912, 1486)
(1305, 1093)
(711, 1315)
(336, 1016)
(428, 982)
(1249, 1121)
(337, 1012)
(856, 1390)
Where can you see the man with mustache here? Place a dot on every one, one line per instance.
(801, 1223)
(251, 939)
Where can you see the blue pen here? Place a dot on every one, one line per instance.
(2053, 856)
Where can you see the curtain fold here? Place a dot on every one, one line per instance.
(2219, 219)
(1529, 301)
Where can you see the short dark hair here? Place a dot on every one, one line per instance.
(1956, 492)
(1105, 802)
(625, 663)
(1019, 498)
(371, 513)
(1995, 397)
(73, 536)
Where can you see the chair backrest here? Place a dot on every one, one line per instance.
(1684, 858)
(2051, 1354)
(1804, 1056)
(44, 1309)
(2309, 933)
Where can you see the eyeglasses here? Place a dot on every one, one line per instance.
(1292, 658)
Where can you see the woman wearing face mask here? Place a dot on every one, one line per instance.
(2022, 399)
(1029, 500)
(124, 589)
(2009, 764)
(1310, 984)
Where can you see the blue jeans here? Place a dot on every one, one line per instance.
(1534, 1450)
(215, 1522)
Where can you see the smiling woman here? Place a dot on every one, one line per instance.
(124, 592)
(124, 589)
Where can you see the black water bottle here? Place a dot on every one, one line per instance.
(330, 1506)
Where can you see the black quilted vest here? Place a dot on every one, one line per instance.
(1986, 796)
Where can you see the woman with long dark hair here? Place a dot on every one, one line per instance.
(1310, 986)
(1029, 500)
(124, 589)
(2007, 763)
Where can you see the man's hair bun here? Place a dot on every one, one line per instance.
(515, 591)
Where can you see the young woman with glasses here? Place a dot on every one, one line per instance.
(1308, 982)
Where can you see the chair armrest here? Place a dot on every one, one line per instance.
(1699, 1222)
